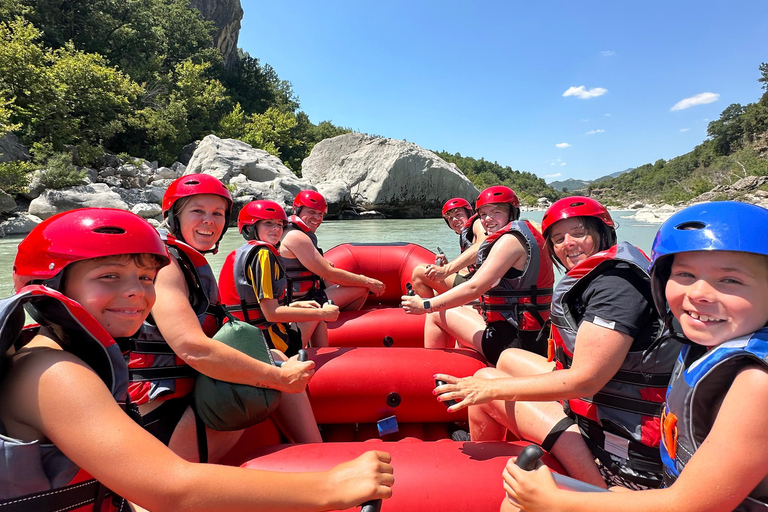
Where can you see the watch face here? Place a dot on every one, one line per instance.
(426, 304)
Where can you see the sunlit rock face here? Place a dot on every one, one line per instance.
(392, 176)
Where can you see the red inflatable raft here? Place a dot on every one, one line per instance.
(381, 322)
(372, 390)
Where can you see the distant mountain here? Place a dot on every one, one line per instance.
(614, 175)
(570, 184)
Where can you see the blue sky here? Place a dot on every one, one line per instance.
(491, 79)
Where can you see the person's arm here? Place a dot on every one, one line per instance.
(181, 329)
(508, 252)
(299, 245)
(728, 465)
(64, 399)
(261, 277)
(463, 260)
(599, 354)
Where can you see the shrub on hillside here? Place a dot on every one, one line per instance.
(14, 176)
(61, 173)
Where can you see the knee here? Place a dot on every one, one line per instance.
(418, 273)
(486, 373)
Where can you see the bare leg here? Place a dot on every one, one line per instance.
(184, 440)
(309, 330)
(462, 324)
(294, 416)
(425, 286)
(320, 336)
(348, 298)
(531, 420)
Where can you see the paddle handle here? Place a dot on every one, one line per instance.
(409, 290)
(371, 506)
(530, 456)
(448, 403)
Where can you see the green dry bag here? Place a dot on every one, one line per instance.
(228, 406)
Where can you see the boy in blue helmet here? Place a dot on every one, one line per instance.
(709, 274)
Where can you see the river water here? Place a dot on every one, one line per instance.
(430, 233)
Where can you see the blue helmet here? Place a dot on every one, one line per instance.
(718, 226)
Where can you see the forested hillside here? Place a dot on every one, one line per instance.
(737, 147)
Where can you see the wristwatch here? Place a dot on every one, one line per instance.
(426, 305)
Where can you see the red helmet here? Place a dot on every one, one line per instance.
(310, 199)
(259, 210)
(500, 194)
(457, 202)
(575, 206)
(192, 185)
(82, 234)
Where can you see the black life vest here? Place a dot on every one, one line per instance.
(301, 280)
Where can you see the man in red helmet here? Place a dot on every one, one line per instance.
(310, 276)
(442, 276)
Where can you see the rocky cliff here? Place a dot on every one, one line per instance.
(226, 14)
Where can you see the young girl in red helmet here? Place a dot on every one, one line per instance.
(611, 375)
(176, 342)
(444, 275)
(69, 439)
(709, 276)
(513, 283)
(253, 284)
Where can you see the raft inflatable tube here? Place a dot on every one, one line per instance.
(381, 321)
(368, 384)
(429, 476)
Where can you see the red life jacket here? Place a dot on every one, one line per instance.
(155, 371)
(38, 476)
(524, 300)
(301, 280)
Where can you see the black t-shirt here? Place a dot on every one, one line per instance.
(620, 299)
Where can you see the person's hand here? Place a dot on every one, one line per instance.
(368, 477)
(295, 375)
(308, 304)
(375, 286)
(440, 260)
(436, 273)
(412, 304)
(330, 312)
(466, 391)
(530, 490)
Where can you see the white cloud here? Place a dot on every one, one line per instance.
(592, 132)
(563, 164)
(584, 120)
(562, 145)
(583, 93)
(699, 99)
(607, 53)
(556, 175)
(684, 129)
(607, 115)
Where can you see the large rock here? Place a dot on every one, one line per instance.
(96, 195)
(398, 178)
(11, 149)
(252, 171)
(20, 225)
(226, 14)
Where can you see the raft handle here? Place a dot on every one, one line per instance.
(531, 454)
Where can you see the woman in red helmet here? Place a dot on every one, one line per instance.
(310, 276)
(69, 440)
(444, 275)
(177, 342)
(513, 282)
(254, 285)
(611, 377)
